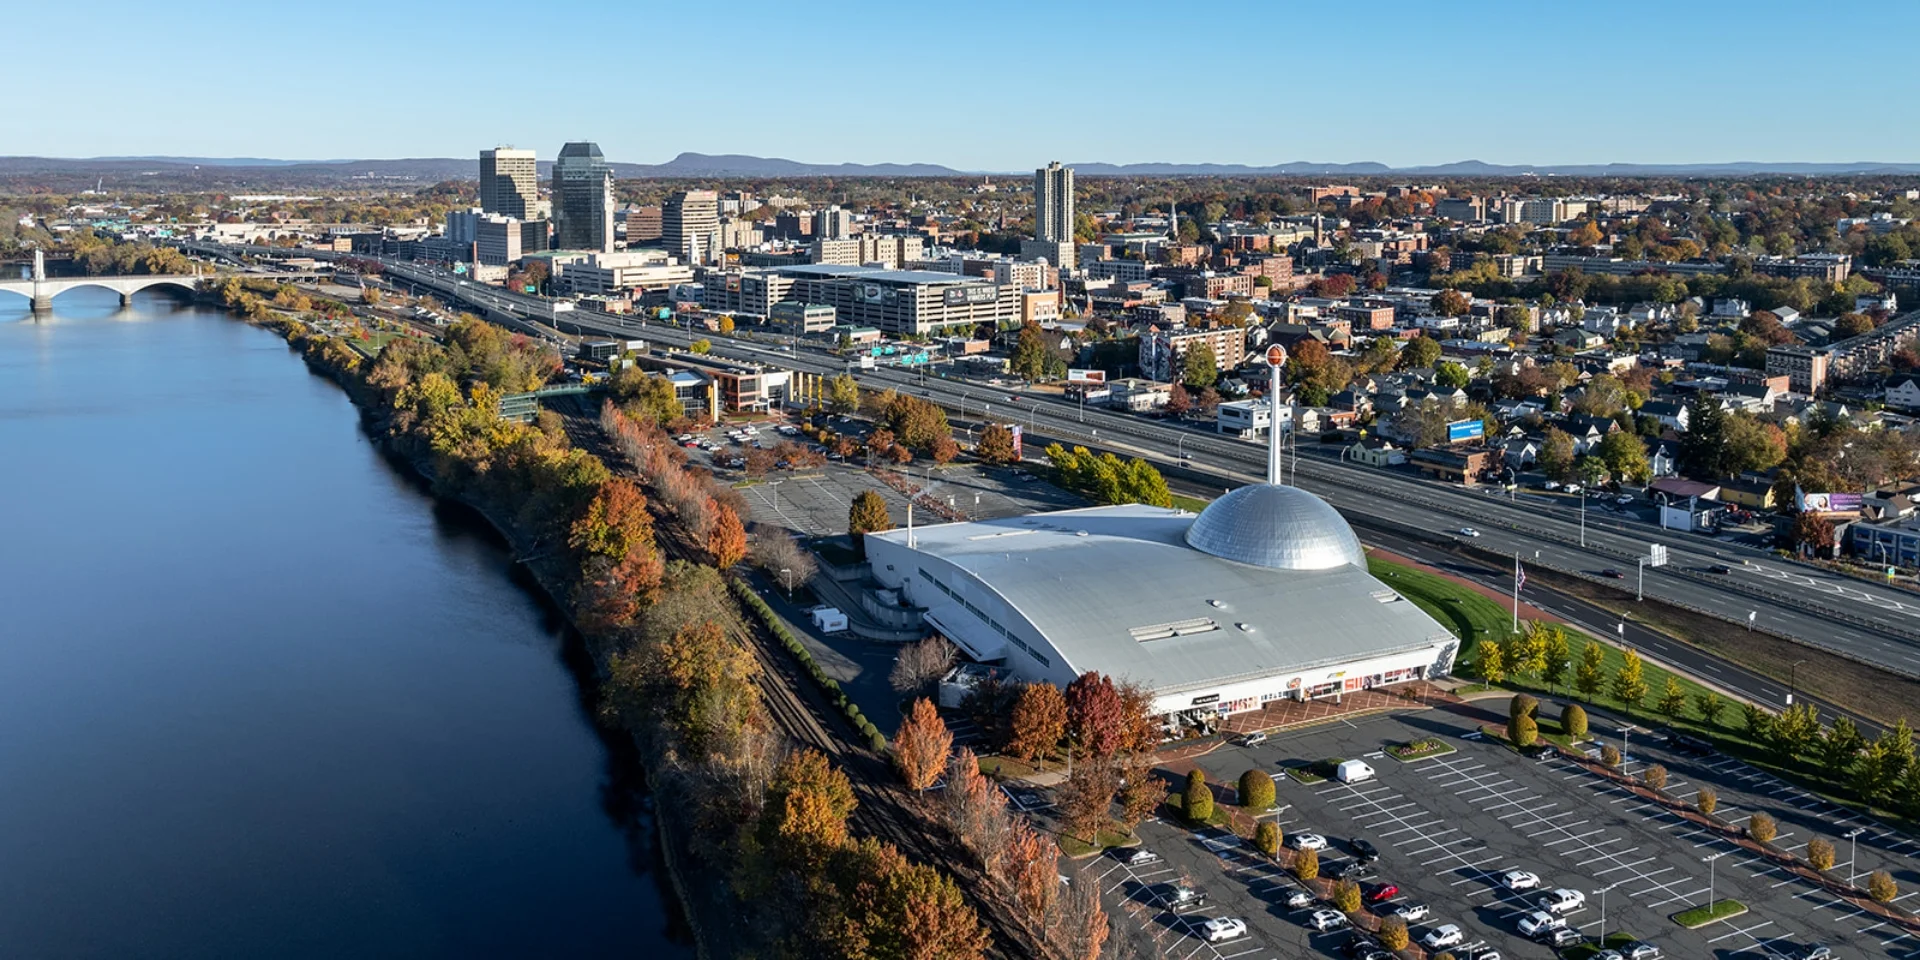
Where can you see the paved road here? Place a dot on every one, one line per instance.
(1865, 621)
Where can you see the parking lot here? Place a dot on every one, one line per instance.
(1448, 828)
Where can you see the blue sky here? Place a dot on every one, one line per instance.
(987, 85)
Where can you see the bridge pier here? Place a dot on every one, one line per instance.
(126, 300)
(42, 303)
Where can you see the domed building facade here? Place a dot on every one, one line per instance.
(1263, 596)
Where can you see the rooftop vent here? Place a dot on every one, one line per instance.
(1178, 628)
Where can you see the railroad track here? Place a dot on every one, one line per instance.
(801, 711)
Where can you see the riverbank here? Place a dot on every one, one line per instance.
(554, 580)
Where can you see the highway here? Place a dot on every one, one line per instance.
(1864, 621)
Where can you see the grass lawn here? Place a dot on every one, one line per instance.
(1470, 614)
(1221, 816)
(1008, 768)
(1077, 848)
(1194, 504)
(1701, 916)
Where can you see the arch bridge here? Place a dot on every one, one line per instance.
(41, 289)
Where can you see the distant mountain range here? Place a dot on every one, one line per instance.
(243, 172)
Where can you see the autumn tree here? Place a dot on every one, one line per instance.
(973, 808)
(1256, 790)
(1039, 721)
(922, 745)
(1346, 896)
(1706, 800)
(1881, 888)
(1762, 827)
(1592, 672)
(1820, 853)
(1450, 303)
(727, 538)
(1079, 928)
(1709, 706)
(996, 445)
(1032, 868)
(1393, 933)
(921, 664)
(1306, 864)
(1629, 686)
(616, 521)
(1086, 799)
(704, 682)
(888, 906)
(1266, 839)
(1096, 721)
(1654, 776)
(868, 514)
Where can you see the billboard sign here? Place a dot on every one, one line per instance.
(1460, 430)
(1019, 453)
(1830, 502)
(1077, 375)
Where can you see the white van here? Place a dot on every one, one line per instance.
(1352, 771)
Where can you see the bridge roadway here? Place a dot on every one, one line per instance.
(1853, 618)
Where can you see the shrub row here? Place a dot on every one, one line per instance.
(827, 685)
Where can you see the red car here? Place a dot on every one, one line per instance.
(1383, 893)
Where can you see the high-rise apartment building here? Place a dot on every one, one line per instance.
(582, 199)
(1053, 203)
(688, 222)
(833, 223)
(509, 183)
(643, 225)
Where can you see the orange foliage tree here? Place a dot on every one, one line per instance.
(921, 746)
(727, 540)
(1039, 721)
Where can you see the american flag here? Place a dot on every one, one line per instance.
(1519, 575)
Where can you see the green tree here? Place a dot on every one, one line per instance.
(1522, 705)
(702, 345)
(1450, 374)
(1556, 455)
(1592, 672)
(1030, 353)
(868, 514)
(1573, 721)
(1556, 655)
(1840, 747)
(1199, 797)
(1256, 790)
(1709, 706)
(1703, 449)
(1419, 353)
(1524, 731)
(1199, 369)
(1625, 456)
(843, 395)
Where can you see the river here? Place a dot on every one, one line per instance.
(260, 696)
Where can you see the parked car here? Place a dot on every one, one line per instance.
(1352, 870)
(1411, 911)
(1562, 901)
(1363, 849)
(1519, 880)
(1562, 937)
(1223, 928)
(1253, 739)
(1816, 951)
(1324, 920)
(1179, 896)
(1445, 935)
(1383, 892)
(1539, 922)
(1640, 950)
(1307, 841)
(1299, 898)
(1139, 857)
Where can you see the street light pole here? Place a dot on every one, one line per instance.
(1711, 859)
(1793, 678)
(1853, 852)
(1602, 939)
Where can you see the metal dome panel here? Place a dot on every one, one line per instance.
(1276, 526)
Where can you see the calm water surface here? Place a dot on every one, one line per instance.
(259, 697)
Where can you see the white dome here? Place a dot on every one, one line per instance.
(1276, 526)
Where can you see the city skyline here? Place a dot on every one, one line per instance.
(1523, 88)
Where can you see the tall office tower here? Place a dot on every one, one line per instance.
(833, 223)
(582, 199)
(1053, 203)
(509, 183)
(688, 221)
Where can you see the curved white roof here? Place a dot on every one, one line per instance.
(1276, 526)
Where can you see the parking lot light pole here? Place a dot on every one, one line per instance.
(1624, 731)
(1793, 678)
(1853, 852)
(1602, 892)
(1711, 859)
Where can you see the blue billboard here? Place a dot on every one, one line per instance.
(1460, 430)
